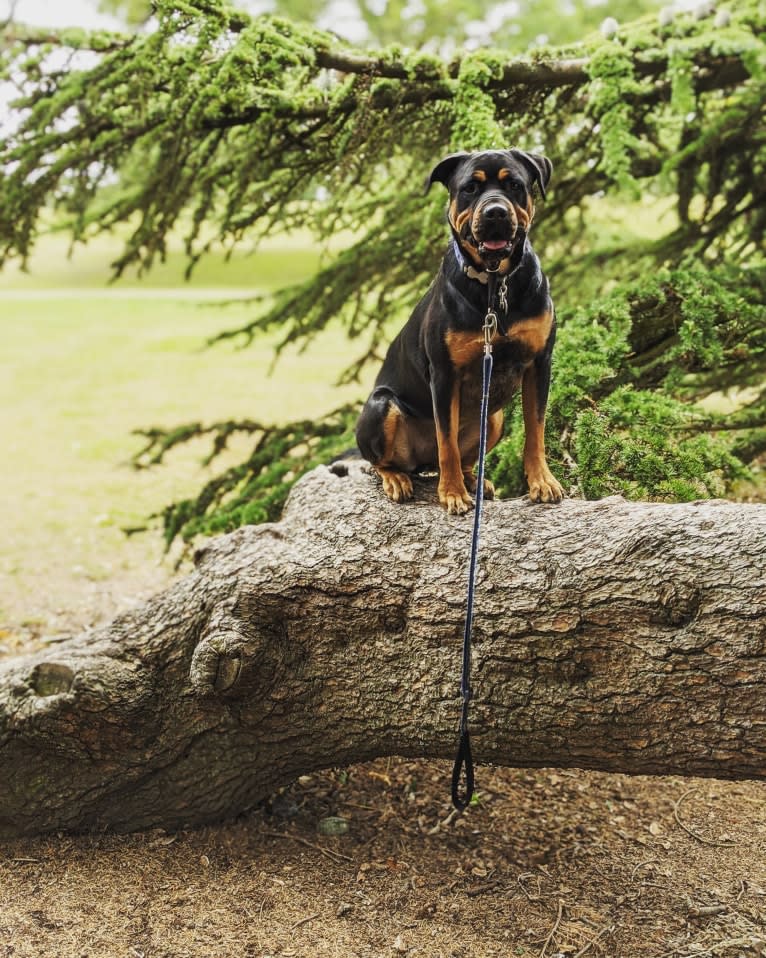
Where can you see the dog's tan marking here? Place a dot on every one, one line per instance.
(457, 221)
(472, 485)
(452, 212)
(464, 347)
(480, 175)
(469, 437)
(396, 446)
(533, 332)
(397, 485)
(453, 494)
(523, 216)
(495, 425)
(461, 218)
(473, 252)
(543, 485)
(469, 446)
(391, 425)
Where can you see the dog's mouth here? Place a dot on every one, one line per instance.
(495, 246)
(490, 246)
(499, 243)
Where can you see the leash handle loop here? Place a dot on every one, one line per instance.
(464, 759)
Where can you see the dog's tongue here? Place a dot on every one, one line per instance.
(495, 244)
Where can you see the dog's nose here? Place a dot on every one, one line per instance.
(496, 213)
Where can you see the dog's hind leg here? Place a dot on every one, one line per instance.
(396, 485)
(381, 434)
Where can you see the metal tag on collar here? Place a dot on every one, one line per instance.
(471, 273)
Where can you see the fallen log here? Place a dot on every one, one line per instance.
(608, 635)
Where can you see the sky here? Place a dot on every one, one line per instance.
(84, 13)
(65, 13)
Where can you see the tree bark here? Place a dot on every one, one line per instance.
(608, 635)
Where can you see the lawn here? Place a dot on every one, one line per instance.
(85, 364)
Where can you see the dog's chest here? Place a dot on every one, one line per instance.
(507, 371)
(525, 339)
(511, 355)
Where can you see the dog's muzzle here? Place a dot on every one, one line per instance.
(494, 226)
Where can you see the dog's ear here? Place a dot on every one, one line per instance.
(538, 165)
(443, 170)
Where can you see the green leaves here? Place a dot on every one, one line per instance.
(621, 419)
(256, 489)
(612, 88)
(642, 445)
(475, 125)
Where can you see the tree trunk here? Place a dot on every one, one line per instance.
(608, 635)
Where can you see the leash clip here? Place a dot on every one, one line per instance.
(502, 294)
(489, 327)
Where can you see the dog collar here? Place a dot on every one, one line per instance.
(470, 271)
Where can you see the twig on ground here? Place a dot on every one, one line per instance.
(690, 831)
(605, 930)
(327, 852)
(648, 861)
(554, 929)
(716, 949)
(706, 911)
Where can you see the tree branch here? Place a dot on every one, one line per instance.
(610, 635)
(98, 41)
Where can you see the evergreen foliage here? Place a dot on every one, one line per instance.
(256, 489)
(224, 128)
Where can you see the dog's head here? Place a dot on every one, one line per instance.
(490, 206)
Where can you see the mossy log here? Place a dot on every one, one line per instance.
(609, 635)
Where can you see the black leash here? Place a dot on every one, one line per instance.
(464, 759)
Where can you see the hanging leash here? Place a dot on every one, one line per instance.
(464, 760)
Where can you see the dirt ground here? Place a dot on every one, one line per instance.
(547, 863)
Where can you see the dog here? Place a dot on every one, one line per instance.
(423, 412)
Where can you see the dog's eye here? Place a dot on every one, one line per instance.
(470, 188)
(514, 186)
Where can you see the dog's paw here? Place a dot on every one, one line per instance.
(545, 487)
(471, 485)
(396, 485)
(455, 500)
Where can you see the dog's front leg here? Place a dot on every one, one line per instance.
(543, 485)
(445, 392)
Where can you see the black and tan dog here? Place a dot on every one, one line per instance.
(424, 410)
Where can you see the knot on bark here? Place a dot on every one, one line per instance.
(679, 604)
(216, 665)
(246, 651)
(51, 678)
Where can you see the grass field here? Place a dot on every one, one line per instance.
(85, 364)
